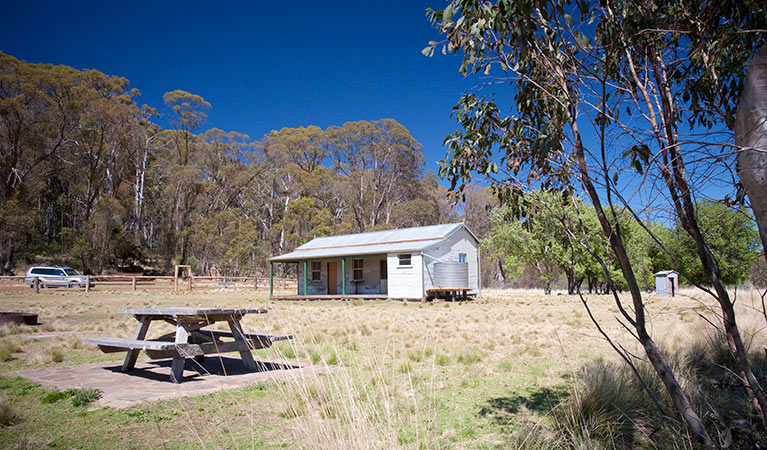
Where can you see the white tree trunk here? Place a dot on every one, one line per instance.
(751, 139)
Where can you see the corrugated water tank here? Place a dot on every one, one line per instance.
(451, 274)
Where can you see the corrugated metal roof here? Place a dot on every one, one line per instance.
(665, 272)
(375, 242)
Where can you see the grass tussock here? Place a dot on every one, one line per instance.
(8, 347)
(8, 414)
(609, 407)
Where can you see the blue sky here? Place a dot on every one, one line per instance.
(262, 65)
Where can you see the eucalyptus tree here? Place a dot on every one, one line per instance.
(381, 165)
(605, 100)
(176, 170)
(539, 238)
(751, 140)
(63, 145)
(295, 156)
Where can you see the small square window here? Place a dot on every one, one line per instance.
(462, 257)
(357, 273)
(405, 259)
(316, 270)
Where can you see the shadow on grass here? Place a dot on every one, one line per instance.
(211, 365)
(501, 410)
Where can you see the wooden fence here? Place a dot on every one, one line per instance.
(134, 282)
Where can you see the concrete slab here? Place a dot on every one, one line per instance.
(150, 380)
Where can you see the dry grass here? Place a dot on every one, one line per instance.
(412, 376)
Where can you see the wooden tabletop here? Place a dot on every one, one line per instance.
(191, 311)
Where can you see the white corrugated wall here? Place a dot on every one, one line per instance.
(459, 242)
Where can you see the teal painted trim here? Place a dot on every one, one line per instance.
(306, 277)
(271, 278)
(423, 277)
(334, 258)
(343, 276)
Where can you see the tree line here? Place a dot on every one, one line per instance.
(546, 239)
(89, 178)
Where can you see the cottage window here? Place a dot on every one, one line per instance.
(405, 259)
(316, 270)
(358, 264)
(462, 257)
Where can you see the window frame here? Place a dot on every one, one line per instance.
(360, 269)
(400, 259)
(462, 257)
(315, 271)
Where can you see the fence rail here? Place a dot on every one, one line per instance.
(134, 282)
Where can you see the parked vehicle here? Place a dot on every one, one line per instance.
(55, 276)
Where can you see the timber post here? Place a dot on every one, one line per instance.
(37, 285)
(87, 284)
(305, 278)
(271, 278)
(133, 284)
(343, 276)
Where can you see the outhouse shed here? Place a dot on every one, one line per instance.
(666, 283)
(404, 263)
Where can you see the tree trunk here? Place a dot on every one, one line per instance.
(751, 139)
(657, 360)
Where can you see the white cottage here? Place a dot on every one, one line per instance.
(419, 262)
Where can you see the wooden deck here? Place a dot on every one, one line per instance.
(331, 297)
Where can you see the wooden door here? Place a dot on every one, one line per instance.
(383, 275)
(332, 278)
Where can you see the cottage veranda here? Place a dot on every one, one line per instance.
(406, 263)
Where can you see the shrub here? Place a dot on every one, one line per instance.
(80, 397)
(53, 397)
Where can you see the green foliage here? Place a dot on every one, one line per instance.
(80, 397)
(559, 234)
(732, 237)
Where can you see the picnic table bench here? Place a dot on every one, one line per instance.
(190, 340)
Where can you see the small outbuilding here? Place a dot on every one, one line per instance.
(406, 263)
(666, 283)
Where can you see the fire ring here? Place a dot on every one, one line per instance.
(20, 318)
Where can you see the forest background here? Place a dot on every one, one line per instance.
(91, 180)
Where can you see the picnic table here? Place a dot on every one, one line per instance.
(190, 340)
